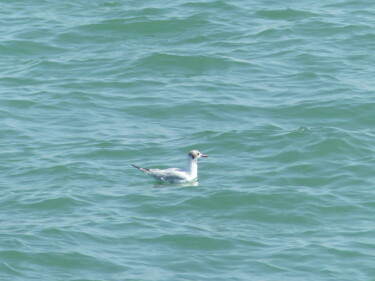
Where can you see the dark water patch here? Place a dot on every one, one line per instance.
(363, 42)
(333, 33)
(313, 76)
(109, 88)
(45, 170)
(51, 203)
(18, 103)
(16, 48)
(67, 236)
(143, 25)
(77, 38)
(215, 4)
(286, 14)
(74, 261)
(194, 242)
(349, 5)
(189, 65)
(19, 82)
(71, 69)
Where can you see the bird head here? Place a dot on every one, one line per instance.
(195, 154)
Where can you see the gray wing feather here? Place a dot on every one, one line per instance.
(145, 170)
(169, 175)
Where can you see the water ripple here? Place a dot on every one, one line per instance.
(280, 98)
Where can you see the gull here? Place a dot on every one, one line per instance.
(175, 175)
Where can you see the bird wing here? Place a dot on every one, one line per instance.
(145, 170)
(169, 175)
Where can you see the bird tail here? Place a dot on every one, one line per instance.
(142, 169)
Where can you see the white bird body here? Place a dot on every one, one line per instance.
(176, 175)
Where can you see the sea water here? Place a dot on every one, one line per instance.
(280, 95)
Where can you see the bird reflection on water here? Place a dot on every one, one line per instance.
(175, 185)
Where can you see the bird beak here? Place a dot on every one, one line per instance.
(203, 155)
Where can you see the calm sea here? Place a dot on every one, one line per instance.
(280, 95)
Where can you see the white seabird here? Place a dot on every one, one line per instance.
(175, 175)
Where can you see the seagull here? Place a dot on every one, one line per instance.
(175, 175)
